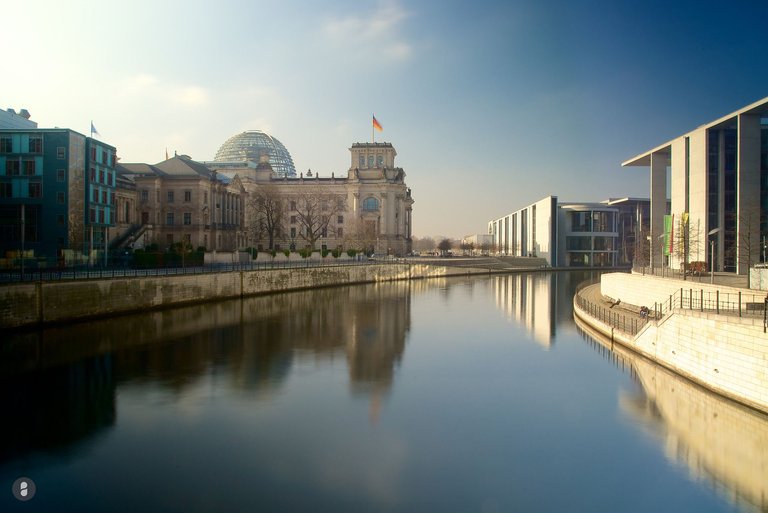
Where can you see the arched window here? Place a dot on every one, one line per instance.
(370, 204)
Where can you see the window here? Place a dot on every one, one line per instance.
(324, 232)
(92, 215)
(581, 222)
(324, 205)
(93, 154)
(12, 167)
(169, 238)
(361, 161)
(170, 196)
(6, 190)
(370, 204)
(205, 198)
(61, 152)
(101, 215)
(60, 198)
(35, 144)
(340, 220)
(293, 205)
(379, 160)
(144, 195)
(293, 232)
(104, 157)
(111, 177)
(187, 196)
(341, 204)
(60, 219)
(370, 160)
(104, 197)
(339, 232)
(35, 190)
(29, 167)
(61, 175)
(6, 145)
(93, 174)
(101, 176)
(293, 219)
(169, 219)
(187, 218)
(578, 243)
(111, 198)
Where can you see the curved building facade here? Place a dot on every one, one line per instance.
(250, 145)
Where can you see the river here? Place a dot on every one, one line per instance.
(453, 395)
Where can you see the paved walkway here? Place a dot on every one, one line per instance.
(592, 294)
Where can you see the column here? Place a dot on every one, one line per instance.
(659, 162)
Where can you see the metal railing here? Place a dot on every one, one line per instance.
(84, 272)
(724, 303)
(629, 324)
(739, 304)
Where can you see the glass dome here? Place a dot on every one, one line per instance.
(250, 145)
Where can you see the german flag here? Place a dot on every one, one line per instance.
(376, 124)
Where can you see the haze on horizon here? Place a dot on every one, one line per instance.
(490, 105)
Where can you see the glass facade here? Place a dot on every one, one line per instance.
(249, 146)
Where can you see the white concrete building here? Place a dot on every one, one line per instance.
(718, 178)
(566, 235)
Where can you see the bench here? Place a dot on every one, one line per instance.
(754, 307)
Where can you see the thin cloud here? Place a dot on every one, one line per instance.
(375, 33)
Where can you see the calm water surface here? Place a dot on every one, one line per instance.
(460, 395)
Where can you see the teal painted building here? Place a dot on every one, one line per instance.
(57, 196)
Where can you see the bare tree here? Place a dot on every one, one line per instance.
(268, 210)
(315, 209)
(361, 234)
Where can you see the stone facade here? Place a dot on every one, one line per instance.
(369, 209)
(181, 200)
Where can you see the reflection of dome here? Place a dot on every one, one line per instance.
(250, 145)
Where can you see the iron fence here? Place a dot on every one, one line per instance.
(86, 272)
(629, 324)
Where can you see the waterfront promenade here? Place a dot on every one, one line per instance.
(713, 334)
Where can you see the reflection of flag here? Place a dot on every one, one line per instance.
(93, 130)
(376, 124)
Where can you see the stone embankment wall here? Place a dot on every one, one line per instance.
(639, 290)
(59, 301)
(724, 353)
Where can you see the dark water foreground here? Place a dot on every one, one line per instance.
(444, 395)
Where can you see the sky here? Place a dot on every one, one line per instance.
(490, 105)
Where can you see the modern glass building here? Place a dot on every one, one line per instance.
(717, 176)
(57, 195)
(564, 234)
(248, 146)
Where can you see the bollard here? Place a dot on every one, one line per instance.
(717, 301)
(739, 303)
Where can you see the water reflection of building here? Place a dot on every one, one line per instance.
(49, 409)
(717, 440)
(530, 300)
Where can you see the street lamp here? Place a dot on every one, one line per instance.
(712, 255)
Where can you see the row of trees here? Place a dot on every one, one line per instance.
(690, 244)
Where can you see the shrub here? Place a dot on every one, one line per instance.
(336, 253)
(352, 253)
(287, 252)
(324, 253)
